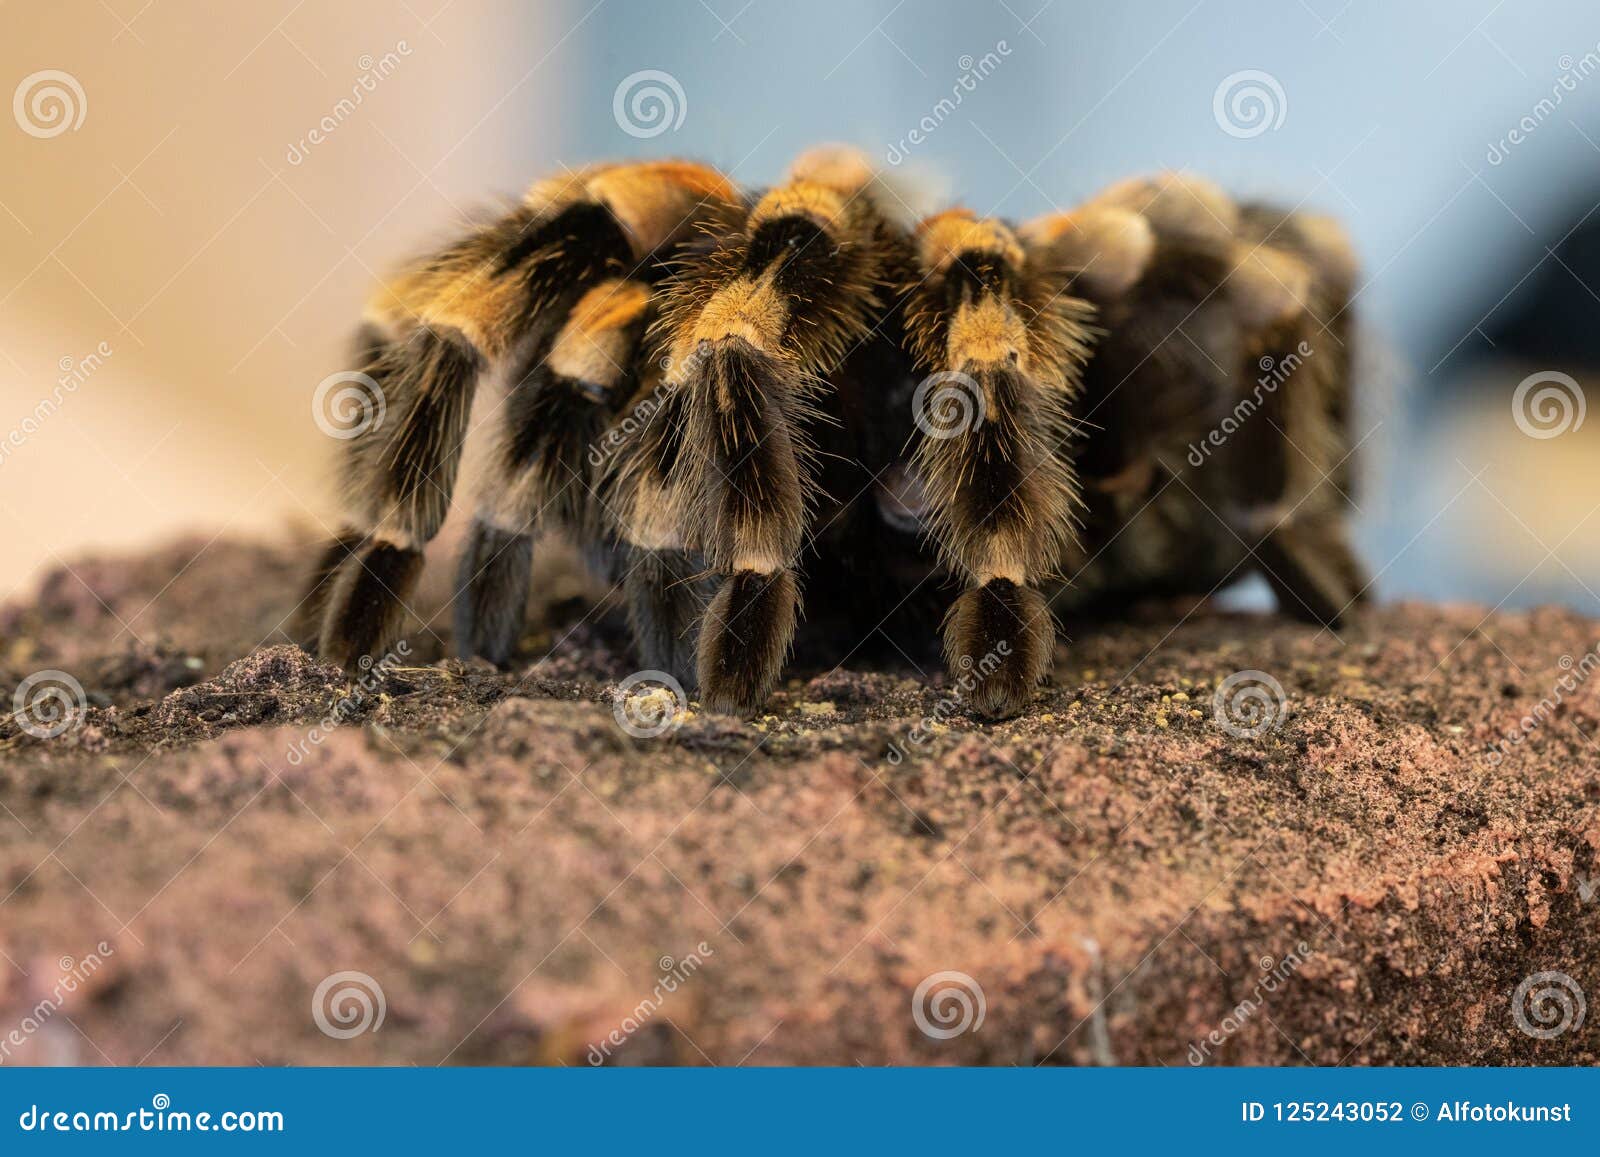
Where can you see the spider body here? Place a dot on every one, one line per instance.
(728, 396)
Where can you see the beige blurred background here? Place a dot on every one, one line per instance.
(188, 279)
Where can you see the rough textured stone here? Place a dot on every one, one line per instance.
(1120, 876)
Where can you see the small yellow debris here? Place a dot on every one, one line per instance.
(822, 707)
(1351, 672)
(1161, 719)
(654, 704)
(1181, 696)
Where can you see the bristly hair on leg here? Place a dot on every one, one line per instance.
(667, 598)
(568, 385)
(753, 328)
(1001, 342)
(566, 274)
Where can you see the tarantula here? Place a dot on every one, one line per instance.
(717, 392)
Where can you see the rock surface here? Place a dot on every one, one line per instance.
(1116, 877)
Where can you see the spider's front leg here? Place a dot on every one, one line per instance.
(399, 474)
(752, 415)
(566, 389)
(665, 584)
(753, 328)
(553, 275)
(561, 395)
(1002, 344)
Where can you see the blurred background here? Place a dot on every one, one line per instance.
(194, 198)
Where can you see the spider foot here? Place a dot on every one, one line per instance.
(998, 640)
(746, 634)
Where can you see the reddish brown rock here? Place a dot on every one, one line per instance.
(525, 882)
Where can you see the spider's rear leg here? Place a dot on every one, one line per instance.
(667, 595)
(1006, 343)
(307, 616)
(1302, 541)
(450, 316)
(1313, 571)
(1292, 283)
(371, 343)
(492, 579)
